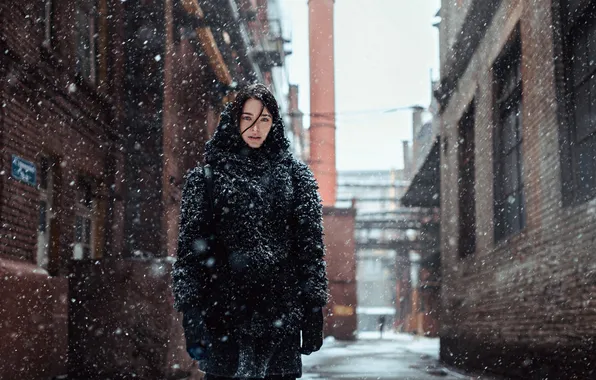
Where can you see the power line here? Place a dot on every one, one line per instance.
(356, 113)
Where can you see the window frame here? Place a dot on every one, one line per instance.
(573, 26)
(466, 127)
(48, 24)
(85, 212)
(508, 98)
(87, 10)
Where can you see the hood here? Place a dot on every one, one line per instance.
(227, 140)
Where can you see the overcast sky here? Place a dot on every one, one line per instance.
(384, 53)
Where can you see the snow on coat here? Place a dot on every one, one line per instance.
(268, 214)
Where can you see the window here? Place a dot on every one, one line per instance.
(509, 202)
(580, 43)
(466, 181)
(84, 220)
(86, 39)
(48, 15)
(46, 182)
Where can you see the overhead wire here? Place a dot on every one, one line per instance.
(357, 113)
(351, 117)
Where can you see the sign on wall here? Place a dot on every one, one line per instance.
(24, 171)
(343, 310)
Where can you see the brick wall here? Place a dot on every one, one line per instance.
(116, 134)
(523, 306)
(118, 326)
(46, 111)
(339, 229)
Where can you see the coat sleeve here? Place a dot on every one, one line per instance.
(188, 273)
(310, 249)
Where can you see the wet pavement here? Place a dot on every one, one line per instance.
(397, 356)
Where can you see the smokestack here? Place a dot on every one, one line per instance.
(322, 98)
(407, 159)
(293, 95)
(416, 126)
(297, 124)
(416, 119)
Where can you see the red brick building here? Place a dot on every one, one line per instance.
(518, 180)
(104, 105)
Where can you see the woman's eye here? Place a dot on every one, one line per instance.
(265, 120)
(246, 118)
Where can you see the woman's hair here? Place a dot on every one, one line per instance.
(256, 91)
(228, 139)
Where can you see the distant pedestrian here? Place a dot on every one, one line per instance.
(250, 275)
(381, 325)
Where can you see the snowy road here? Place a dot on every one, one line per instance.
(396, 357)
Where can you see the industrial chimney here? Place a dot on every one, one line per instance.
(417, 112)
(322, 98)
(407, 160)
(341, 321)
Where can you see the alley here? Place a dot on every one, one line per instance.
(396, 356)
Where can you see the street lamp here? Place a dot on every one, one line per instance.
(412, 235)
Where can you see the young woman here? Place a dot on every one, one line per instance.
(250, 277)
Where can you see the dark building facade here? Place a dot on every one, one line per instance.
(518, 180)
(104, 105)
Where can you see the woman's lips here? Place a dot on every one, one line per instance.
(254, 138)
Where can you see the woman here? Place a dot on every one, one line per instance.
(250, 275)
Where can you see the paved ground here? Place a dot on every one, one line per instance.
(396, 357)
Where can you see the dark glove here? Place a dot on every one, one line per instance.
(312, 330)
(198, 353)
(195, 333)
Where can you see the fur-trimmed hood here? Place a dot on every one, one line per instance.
(227, 140)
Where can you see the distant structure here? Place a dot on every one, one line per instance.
(297, 134)
(375, 195)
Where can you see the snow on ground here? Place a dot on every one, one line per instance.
(396, 356)
(417, 344)
(333, 348)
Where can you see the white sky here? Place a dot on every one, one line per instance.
(384, 53)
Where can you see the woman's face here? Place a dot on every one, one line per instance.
(256, 134)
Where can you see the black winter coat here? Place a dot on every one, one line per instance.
(268, 221)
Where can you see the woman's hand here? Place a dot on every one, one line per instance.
(198, 353)
(312, 331)
(194, 331)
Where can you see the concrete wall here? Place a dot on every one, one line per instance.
(453, 14)
(523, 306)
